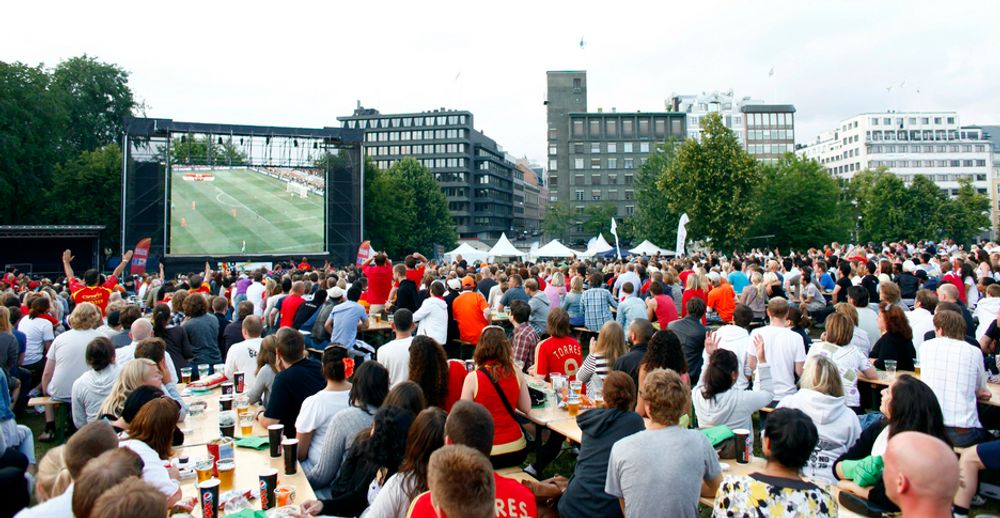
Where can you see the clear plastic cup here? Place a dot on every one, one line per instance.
(890, 368)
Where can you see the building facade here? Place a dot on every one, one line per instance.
(470, 168)
(766, 131)
(908, 144)
(593, 156)
(992, 134)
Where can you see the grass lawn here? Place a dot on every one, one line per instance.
(242, 211)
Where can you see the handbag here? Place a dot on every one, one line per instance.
(503, 399)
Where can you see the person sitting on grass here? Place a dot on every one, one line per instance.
(789, 439)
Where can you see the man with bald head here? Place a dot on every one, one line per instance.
(949, 293)
(921, 485)
(290, 304)
(141, 329)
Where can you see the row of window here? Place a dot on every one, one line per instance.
(926, 163)
(924, 135)
(628, 127)
(598, 195)
(946, 177)
(426, 149)
(395, 136)
(580, 148)
(730, 121)
(846, 168)
(610, 163)
(595, 179)
(771, 135)
(755, 120)
(927, 148)
(888, 121)
(770, 149)
(406, 122)
(426, 162)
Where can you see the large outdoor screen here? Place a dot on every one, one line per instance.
(246, 210)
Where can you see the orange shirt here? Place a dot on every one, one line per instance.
(723, 301)
(467, 309)
(513, 500)
(97, 295)
(204, 288)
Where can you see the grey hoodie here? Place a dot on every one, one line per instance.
(837, 425)
(734, 408)
(89, 392)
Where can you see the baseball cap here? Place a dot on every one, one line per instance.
(335, 293)
(468, 282)
(454, 284)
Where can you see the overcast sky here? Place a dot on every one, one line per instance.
(289, 64)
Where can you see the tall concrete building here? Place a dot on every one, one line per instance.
(931, 144)
(593, 155)
(992, 134)
(766, 131)
(470, 167)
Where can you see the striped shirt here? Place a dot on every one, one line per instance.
(595, 366)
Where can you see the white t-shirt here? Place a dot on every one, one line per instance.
(57, 506)
(921, 321)
(255, 294)
(314, 417)
(153, 470)
(736, 339)
(784, 348)
(850, 361)
(242, 356)
(395, 356)
(69, 352)
(37, 331)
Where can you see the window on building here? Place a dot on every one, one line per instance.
(644, 147)
(628, 179)
(579, 195)
(595, 147)
(578, 179)
(595, 163)
(612, 179)
(612, 128)
(553, 150)
(629, 210)
(627, 147)
(626, 128)
(613, 194)
(660, 127)
(595, 195)
(577, 83)
(612, 163)
(553, 181)
(629, 195)
(595, 128)
(643, 127)
(675, 127)
(578, 128)
(553, 134)
(577, 163)
(553, 165)
(612, 147)
(629, 163)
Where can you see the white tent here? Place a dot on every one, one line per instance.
(555, 249)
(504, 248)
(467, 251)
(596, 246)
(647, 248)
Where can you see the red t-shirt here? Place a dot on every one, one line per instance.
(506, 431)
(97, 295)
(514, 500)
(416, 275)
(204, 288)
(304, 266)
(666, 310)
(456, 378)
(559, 356)
(683, 276)
(688, 295)
(289, 305)
(379, 282)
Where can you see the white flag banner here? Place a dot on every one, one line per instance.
(682, 233)
(614, 232)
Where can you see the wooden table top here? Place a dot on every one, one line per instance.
(884, 380)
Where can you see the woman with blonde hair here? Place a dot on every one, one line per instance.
(555, 290)
(755, 296)
(571, 302)
(53, 476)
(610, 346)
(821, 397)
(67, 360)
(839, 347)
(267, 369)
(694, 288)
(134, 374)
(860, 338)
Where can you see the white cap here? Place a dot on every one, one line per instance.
(335, 293)
(714, 276)
(455, 284)
(908, 266)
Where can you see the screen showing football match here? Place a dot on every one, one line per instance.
(245, 209)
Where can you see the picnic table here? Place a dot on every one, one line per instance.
(884, 379)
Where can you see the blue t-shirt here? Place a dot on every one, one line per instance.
(22, 341)
(826, 282)
(739, 281)
(345, 318)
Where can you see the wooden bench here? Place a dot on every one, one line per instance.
(62, 418)
(44, 401)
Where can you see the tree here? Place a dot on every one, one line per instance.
(881, 198)
(87, 191)
(653, 219)
(713, 181)
(205, 150)
(800, 205)
(966, 215)
(406, 211)
(558, 218)
(599, 218)
(924, 204)
(97, 97)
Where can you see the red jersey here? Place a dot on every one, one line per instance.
(514, 500)
(559, 356)
(204, 288)
(289, 305)
(97, 295)
(416, 275)
(379, 282)
(304, 266)
(456, 378)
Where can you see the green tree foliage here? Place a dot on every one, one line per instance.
(924, 204)
(965, 216)
(881, 199)
(97, 98)
(94, 175)
(713, 181)
(558, 218)
(800, 205)
(32, 120)
(653, 219)
(599, 218)
(406, 211)
(205, 150)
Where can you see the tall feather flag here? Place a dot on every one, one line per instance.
(614, 232)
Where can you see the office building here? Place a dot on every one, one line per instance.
(530, 197)
(593, 155)
(992, 134)
(470, 167)
(766, 131)
(931, 144)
